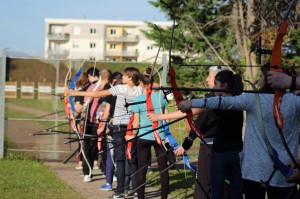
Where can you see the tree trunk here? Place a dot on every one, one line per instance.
(251, 72)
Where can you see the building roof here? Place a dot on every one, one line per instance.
(105, 22)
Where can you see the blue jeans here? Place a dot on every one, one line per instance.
(120, 155)
(109, 162)
(226, 165)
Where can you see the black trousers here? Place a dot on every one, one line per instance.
(144, 154)
(90, 148)
(254, 190)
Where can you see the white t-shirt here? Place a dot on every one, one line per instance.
(123, 91)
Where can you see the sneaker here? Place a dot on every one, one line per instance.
(149, 171)
(95, 167)
(115, 178)
(79, 167)
(126, 193)
(87, 178)
(117, 195)
(106, 186)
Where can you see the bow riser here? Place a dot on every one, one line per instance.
(178, 98)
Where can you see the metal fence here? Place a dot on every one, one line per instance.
(30, 86)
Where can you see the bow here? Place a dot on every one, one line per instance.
(175, 146)
(177, 95)
(276, 65)
(70, 109)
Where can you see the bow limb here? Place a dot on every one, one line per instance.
(177, 95)
(67, 103)
(149, 104)
(276, 65)
(129, 132)
(175, 146)
(100, 125)
(178, 98)
(72, 86)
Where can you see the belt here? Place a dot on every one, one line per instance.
(121, 126)
(207, 140)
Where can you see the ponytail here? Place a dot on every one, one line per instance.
(146, 77)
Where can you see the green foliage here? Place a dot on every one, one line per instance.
(214, 19)
(294, 50)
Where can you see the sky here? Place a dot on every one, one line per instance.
(22, 22)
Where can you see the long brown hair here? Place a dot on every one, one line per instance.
(82, 81)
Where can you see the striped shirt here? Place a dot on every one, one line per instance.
(123, 91)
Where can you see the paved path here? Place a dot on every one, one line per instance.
(89, 190)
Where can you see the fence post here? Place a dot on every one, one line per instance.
(2, 101)
(164, 72)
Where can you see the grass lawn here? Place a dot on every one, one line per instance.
(42, 104)
(12, 113)
(31, 179)
(24, 177)
(180, 182)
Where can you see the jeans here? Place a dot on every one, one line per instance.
(121, 159)
(109, 162)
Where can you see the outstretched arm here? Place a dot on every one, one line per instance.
(173, 115)
(89, 94)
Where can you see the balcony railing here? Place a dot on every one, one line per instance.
(58, 36)
(122, 38)
(121, 53)
(52, 52)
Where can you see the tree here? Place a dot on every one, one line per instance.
(221, 32)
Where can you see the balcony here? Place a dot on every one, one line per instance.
(134, 39)
(58, 53)
(59, 36)
(121, 53)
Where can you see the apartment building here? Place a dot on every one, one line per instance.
(108, 40)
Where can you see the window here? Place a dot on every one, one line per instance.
(57, 29)
(75, 44)
(128, 59)
(113, 59)
(92, 45)
(129, 32)
(76, 30)
(57, 46)
(113, 31)
(93, 31)
(92, 58)
(149, 47)
(112, 46)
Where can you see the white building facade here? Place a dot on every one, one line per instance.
(104, 40)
